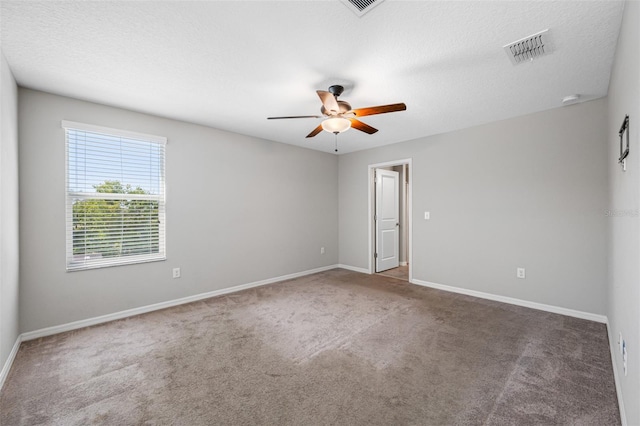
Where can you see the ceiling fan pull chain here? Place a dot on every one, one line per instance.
(336, 133)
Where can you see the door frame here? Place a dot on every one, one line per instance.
(409, 204)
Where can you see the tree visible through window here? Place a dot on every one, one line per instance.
(108, 228)
(115, 197)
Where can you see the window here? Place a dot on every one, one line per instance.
(115, 197)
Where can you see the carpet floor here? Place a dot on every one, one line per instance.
(333, 348)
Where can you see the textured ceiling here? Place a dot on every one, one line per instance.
(231, 64)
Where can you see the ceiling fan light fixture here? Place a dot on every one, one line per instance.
(336, 125)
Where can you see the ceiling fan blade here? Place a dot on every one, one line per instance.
(359, 125)
(328, 101)
(293, 116)
(315, 131)
(382, 109)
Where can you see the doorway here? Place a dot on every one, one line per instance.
(390, 195)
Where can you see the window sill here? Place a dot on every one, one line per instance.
(99, 265)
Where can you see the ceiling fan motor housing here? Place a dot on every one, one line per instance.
(343, 105)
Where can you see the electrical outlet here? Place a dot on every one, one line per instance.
(321, 250)
(176, 272)
(427, 215)
(520, 273)
(624, 357)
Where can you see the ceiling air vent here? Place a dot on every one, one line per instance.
(529, 48)
(360, 7)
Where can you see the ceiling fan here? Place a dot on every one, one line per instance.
(339, 116)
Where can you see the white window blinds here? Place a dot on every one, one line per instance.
(115, 197)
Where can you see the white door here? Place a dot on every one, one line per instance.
(387, 219)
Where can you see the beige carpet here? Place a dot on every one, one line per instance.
(334, 348)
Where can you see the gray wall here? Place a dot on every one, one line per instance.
(624, 189)
(526, 192)
(9, 266)
(239, 210)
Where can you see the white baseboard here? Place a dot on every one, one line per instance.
(614, 364)
(36, 334)
(527, 304)
(7, 365)
(353, 268)
(403, 263)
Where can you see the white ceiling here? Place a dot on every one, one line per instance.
(231, 64)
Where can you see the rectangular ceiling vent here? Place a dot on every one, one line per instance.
(529, 48)
(360, 7)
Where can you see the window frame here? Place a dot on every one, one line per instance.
(70, 196)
